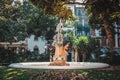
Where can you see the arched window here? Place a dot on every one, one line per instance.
(36, 49)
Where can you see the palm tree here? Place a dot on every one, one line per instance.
(75, 43)
(102, 12)
(82, 46)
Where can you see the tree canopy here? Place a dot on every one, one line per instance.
(21, 20)
(8, 20)
(104, 13)
(102, 9)
(54, 7)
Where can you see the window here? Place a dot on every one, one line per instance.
(36, 49)
(79, 12)
(35, 38)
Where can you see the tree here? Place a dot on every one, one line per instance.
(41, 25)
(21, 20)
(72, 22)
(8, 19)
(36, 22)
(83, 45)
(53, 7)
(102, 12)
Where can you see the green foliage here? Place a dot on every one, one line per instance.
(53, 7)
(72, 22)
(41, 25)
(115, 15)
(102, 9)
(104, 13)
(7, 57)
(8, 20)
(82, 40)
(15, 74)
(7, 11)
(35, 22)
(17, 23)
(38, 57)
(25, 74)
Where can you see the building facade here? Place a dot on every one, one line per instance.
(82, 28)
(15, 46)
(37, 44)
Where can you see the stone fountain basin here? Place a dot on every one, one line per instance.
(73, 65)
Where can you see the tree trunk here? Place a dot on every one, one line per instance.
(51, 58)
(76, 55)
(109, 35)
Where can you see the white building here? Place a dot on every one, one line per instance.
(36, 43)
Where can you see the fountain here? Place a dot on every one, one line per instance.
(59, 59)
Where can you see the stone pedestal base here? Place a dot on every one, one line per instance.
(59, 61)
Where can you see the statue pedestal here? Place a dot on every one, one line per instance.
(59, 61)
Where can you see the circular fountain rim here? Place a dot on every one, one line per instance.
(44, 65)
